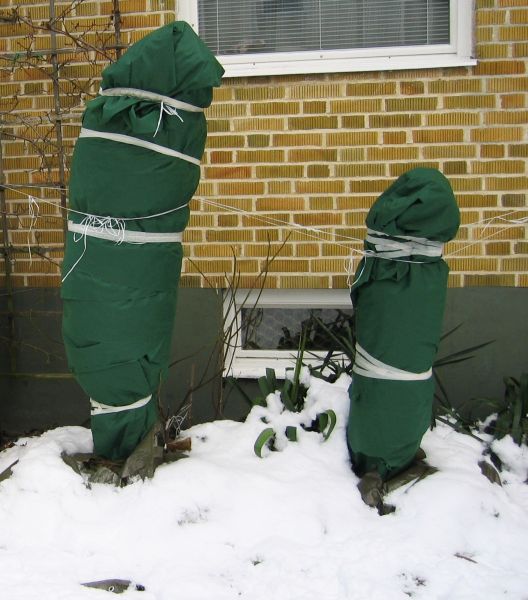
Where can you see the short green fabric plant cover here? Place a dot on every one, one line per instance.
(399, 295)
(135, 167)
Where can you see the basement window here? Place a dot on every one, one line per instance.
(274, 37)
(264, 328)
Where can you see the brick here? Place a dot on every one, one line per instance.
(513, 200)
(515, 33)
(316, 91)
(304, 282)
(363, 106)
(520, 248)
(307, 250)
(455, 86)
(314, 107)
(260, 156)
(460, 184)
(397, 169)
(318, 171)
(455, 167)
(352, 138)
(215, 250)
(219, 110)
(264, 124)
(515, 264)
(411, 104)
(238, 172)
(218, 157)
(490, 17)
(241, 188)
(229, 235)
(500, 67)
(396, 120)
(258, 140)
(371, 89)
(280, 204)
(218, 125)
(366, 186)
(450, 119)
(259, 93)
(265, 250)
(228, 221)
(518, 150)
(353, 122)
(308, 123)
(279, 171)
(486, 51)
(312, 155)
(469, 102)
(520, 50)
(296, 139)
(506, 117)
(497, 134)
(262, 219)
(457, 151)
(492, 150)
(288, 265)
(275, 108)
(225, 141)
(333, 186)
(321, 203)
(473, 264)
(437, 136)
(509, 101)
(394, 137)
(507, 84)
(507, 183)
(497, 248)
(351, 154)
(499, 166)
(361, 170)
(279, 187)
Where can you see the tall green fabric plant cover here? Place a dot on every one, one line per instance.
(399, 296)
(119, 291)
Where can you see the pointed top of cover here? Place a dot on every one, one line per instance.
(172, 61)
(419, 203)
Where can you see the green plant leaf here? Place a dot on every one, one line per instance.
(291, 433)
(265, 439)
(327, 421)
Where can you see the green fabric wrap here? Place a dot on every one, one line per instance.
(399, 305)
(119, 297)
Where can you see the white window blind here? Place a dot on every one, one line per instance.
(268, 37)
(257, 26)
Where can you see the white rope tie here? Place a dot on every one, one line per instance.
(368, 366)
(391, 248)
(133, 141)
(97, 408)
(150, 96)
(169, 110)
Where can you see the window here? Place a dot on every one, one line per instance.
(268, 325)
(265, 37)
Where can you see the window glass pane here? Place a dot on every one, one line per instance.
(281, 328)
(253, 26)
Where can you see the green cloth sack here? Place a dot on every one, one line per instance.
(134, 171)
(399, 295)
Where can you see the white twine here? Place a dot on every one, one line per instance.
(169, 110)
(310, 232)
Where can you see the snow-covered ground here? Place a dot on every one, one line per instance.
(223, 524)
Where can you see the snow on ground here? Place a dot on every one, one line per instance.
(225, 525)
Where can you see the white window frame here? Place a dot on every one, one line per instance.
(459, 52)
(251, 364)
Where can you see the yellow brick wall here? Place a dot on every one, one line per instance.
(296, 161)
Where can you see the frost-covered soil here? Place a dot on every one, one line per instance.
(225, 525)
